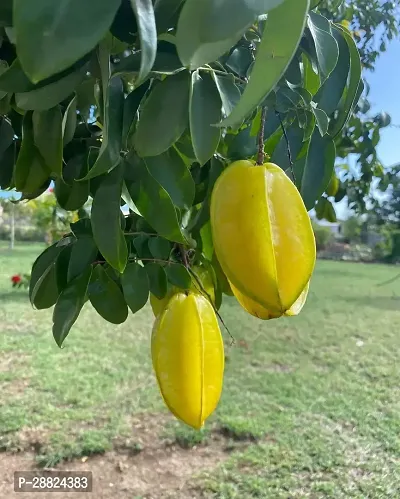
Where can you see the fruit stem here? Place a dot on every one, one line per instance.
(287, 145)
(261, 152)
(184, 255)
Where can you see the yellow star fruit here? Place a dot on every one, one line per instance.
(262, 234)
(254, 308)
(188, 357)
(204, 277)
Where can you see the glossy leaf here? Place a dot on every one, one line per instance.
(312, 81)
(326, 46)
(47, 133)
(228, 91)
(135, 285)
(72, 195)
(69, 121)
(6, 135)
(159, 247)
(203, 214)
(106, 297)
(83, 254)
(154, 203)
(14, 79)
(131, 106)
(106, 220)
(157, 280)
(318, 168)
(277, 47)
(178, 275)
(69, 306)
(148, 36)
(169, 101)
(45, 97)
(52, 36)
(329, 95)
(6, 13)
(109, 155)
(351, 92)
(172, 174)
(321, 119)
(203, 38)
(205, 111)
(30, 170)
(295, 137)
(43, 266)
(166, 12)
(7, 161)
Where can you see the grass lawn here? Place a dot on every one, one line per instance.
(311, 405)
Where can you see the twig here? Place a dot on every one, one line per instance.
(204, 292)
(261, 152)
(184, 255)
(288, 146)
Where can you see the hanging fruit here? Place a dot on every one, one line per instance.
(202, 284)
(262, 234)
(254, 308)
(188, 357)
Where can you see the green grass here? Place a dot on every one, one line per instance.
(311, 403)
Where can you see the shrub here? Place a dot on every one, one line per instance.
(323, 236)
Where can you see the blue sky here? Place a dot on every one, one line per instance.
(385, 96)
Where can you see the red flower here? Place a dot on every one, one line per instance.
(16, 279)
(51, 189)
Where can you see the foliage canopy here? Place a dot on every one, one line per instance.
(144, 103)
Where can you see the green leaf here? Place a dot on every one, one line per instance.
(30, 170)
(178, 275)
(43, 276)
(295, 137)
(6, 135)
(106, 223)
(242, 145)
(203, 214)
(207, 241)
(330, 94)
(172, 174)
(106, 297)
(160, 248)
(167, 61)
(47, 133)
(6, 13)
(326, 46)
(82, 228)
(45, 97)
(325, 210)
(109, 155)
(131, 106)
(204, 111)
(124, 25)
(62, 264)
(166, 12)
(14, 79)
(71, 194)
(322, 120)
(228, 91)
(135, 285)
(141, 245)
(7, 167)
(154, 203)
(164, 116)
(83, 254)
(69, 305)
(278, 45)
(318, 168)
(157, 280)
(69, 121)
(311, 79)
(148, 36)
(52, 36)
(351, 91)
(201, 35)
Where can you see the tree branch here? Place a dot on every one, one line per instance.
(288, 146)
(261, 152)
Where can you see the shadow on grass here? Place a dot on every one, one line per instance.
(379, 302)
(14, 296)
